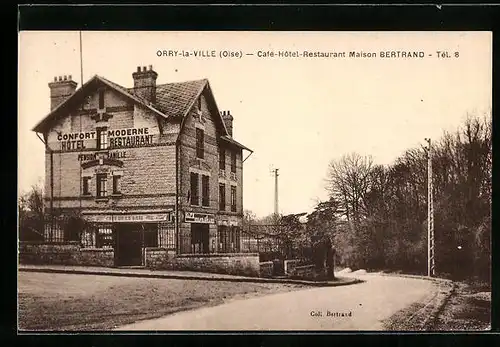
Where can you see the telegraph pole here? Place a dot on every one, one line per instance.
(276, 209)
(275, 173)
(430, 213)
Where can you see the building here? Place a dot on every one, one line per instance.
(151, 168)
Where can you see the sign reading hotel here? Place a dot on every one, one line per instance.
(193, 217)
(120, 138)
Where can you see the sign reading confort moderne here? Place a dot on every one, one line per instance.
(120, 138)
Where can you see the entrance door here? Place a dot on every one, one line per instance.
(199, 238)
(129, 245)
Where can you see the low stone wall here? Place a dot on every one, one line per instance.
(266, 269)
(245, 264)
(42, 253)
(67, 253)
(95, 257)
(157, 258)
(71, 253)
(290, 266)
(305, 271)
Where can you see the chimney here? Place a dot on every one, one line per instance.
(145, 83)
(61, 89)
(228, 121)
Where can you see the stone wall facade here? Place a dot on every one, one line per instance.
(155, 258)
(244, 264)
(266, 269)
(70, 253)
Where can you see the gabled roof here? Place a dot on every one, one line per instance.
(79, 94)
(173, 100)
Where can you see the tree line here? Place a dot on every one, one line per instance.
(380, 212)
(376, 215)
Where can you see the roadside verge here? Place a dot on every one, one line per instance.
(143, 273)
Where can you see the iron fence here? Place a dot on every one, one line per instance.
(273, 241)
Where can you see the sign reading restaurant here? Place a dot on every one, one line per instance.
(120, 138)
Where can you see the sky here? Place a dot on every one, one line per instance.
(296, 113)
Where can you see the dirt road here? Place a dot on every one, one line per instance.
(355, 307)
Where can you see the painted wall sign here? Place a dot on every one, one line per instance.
(118, 138)
(129, 218)
(193, 217)
(129, 137)
(94, 156)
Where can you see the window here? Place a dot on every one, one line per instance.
(233, 198)
(205, 190)
(194, 189)
(85, 186)
(222, 159)
(101, 185)
(166, 235)
(88, 238)
(116, 184)
(200, 143)
(229, 239)
(233, 162)
(222, 196)
(199, 238)
(105, 237)
(102, 138)
(101, 99)
(151, 235)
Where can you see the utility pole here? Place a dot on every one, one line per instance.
(276, 208)
(83, 106)
(430, 213)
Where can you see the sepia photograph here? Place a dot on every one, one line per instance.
(254, 181)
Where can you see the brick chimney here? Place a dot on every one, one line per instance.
(228, 120)
(145, 83)
(61, 89)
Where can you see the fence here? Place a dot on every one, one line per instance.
(57, 230)
(272, 241)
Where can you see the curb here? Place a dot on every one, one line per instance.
(345, 281)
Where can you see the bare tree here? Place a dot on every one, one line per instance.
(349, 182)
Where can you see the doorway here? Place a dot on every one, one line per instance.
(129, 245)
(199, 238)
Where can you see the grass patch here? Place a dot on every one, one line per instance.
(66, 302)
(468, 309)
